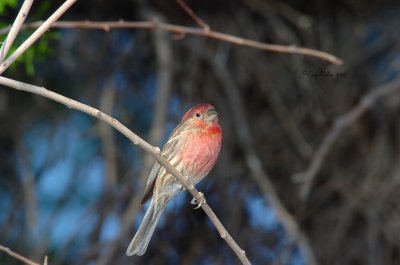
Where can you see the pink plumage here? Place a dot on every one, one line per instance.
(192, 148)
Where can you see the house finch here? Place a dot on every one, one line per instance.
(193, 149)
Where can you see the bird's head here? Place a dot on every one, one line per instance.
(201, 113)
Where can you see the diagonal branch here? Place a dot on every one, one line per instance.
(190, 12)
(106, 25)
(36, 35)
(136, 140)
(19, 20)
(341, 123)
(19, 257)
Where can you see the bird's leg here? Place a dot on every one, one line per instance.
(199, 201)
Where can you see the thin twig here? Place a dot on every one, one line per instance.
(191, 13)
(103, 25)
(341, 123)
(36, 35)
(136, 140)
(17, 256)
(19, 20)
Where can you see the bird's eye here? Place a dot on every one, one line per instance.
(197, 115)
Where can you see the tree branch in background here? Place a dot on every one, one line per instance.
(190, 12)
(136, 140)
(36, 35)
(162, 44)
(341, 123)
(284, 117)
(20, 257)
(104, 25)
(19, 20)
(254, 163)
(109, 151)
(163, 51)
(28, 188)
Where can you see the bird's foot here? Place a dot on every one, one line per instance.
(199, 201)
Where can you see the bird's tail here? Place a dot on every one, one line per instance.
(142, 237)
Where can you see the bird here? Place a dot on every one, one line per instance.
(192, 148)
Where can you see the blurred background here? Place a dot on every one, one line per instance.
(70, 185)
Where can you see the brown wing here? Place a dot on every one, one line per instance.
(167, 151)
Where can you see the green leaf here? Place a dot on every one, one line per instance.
(39, 50)
(5, 3)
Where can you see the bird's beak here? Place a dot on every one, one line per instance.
(211, 114)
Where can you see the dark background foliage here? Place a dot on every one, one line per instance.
(69, 185)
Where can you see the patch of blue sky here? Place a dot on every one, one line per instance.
(37, 142)
(208, 260)
(73, 219)
(377, 28)
(111, 227)
(175, 106)
(120, 81)
(297, 258)
(376, 35)
(79, 122)
(57, 176)
(373, 33)
(69, 145)
(170, 126)
(173, 119)
(70, 150)
(122, 42)
(389, 66)
(261, 215)
(140, 215)
(131, 154)
(150, 89)
(92, 181)
(77, 141)
(55, 181)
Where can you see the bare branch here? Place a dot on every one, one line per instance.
(136, 140)
(341, 123)
(190, 12)
(17, 256)
(19, 20)
(103, 25)
(36, 35)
